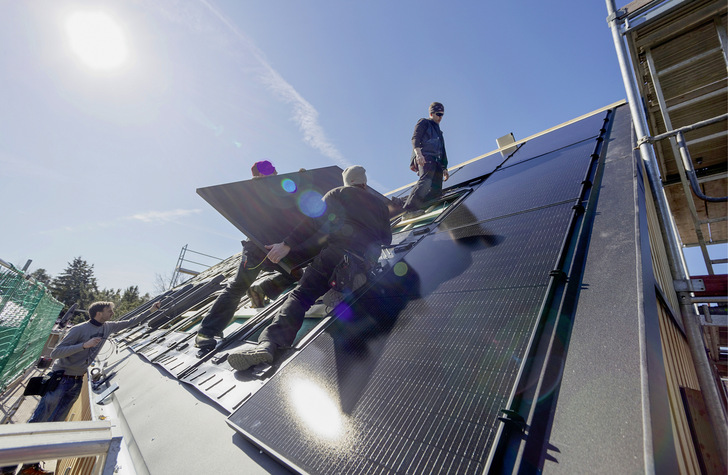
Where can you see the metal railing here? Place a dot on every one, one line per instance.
(29, 443)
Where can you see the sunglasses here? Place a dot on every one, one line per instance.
(439, 114)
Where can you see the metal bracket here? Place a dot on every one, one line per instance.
(692, 285)
(513, 419)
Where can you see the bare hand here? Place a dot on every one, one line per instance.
(92, 342)
(421, 160)
(277, 251)
(155, 306)
(445, 174)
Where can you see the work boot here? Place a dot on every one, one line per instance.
(264, 352)
(33, 469)
(204, 341)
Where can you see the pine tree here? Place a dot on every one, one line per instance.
(76, 284)
(42, 276)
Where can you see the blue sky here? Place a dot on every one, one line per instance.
(104, 164)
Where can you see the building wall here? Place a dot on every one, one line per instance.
(679, 365)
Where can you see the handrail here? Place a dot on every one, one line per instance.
(22, 443)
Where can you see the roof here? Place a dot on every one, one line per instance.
(421, 367)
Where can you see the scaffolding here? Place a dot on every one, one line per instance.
(673, 56)
(181, 268)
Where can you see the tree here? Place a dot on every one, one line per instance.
(124, 302)
(130, 300)
(42, 276)
(161, 282)
(76, 284)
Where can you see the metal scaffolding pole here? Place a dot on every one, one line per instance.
(691, 320)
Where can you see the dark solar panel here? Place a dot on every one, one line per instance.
(584, 129)
(587, 128)
(550, 178)
(412, 377)
(473, 170)
(266, 209)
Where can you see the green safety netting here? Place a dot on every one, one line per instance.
(27, 314)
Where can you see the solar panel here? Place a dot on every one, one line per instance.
(266, 209)
(414, 376)
(587, 128)
(411, 377)
(584, 129)
(473, 170)
(550, 178)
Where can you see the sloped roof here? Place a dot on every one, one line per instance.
(440, 347)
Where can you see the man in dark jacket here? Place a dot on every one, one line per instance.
(356, 223)
(429, 160)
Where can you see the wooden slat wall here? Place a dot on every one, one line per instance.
(679, 366)
(660, 265)
(81, 411)
(680, 372)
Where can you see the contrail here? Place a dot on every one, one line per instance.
(304, 113)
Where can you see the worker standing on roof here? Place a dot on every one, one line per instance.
(429, 160)
(357, 224)
(223, 310)
(73, 355)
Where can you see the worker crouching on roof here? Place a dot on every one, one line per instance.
(356, 222)
(223, 310)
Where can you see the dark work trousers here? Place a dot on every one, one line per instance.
(313, 284)
(427, 188)
(223, 310)
(55, 405)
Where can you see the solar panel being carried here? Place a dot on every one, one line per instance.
(412, 375)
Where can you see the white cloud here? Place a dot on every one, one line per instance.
(163, 216)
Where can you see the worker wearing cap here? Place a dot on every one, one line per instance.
(356, 222)
(429, 160)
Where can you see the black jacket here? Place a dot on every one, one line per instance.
(428, 137)
(353, 218)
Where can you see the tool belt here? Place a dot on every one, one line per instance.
(40, 385)
(349, 274)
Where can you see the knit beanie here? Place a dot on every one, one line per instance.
(355, 175)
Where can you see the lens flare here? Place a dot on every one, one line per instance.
(289, 185)
(311, 204)
(344, 312)
(400, 269)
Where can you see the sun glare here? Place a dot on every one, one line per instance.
(97, 40)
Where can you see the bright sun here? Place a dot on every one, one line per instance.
(97, 40)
